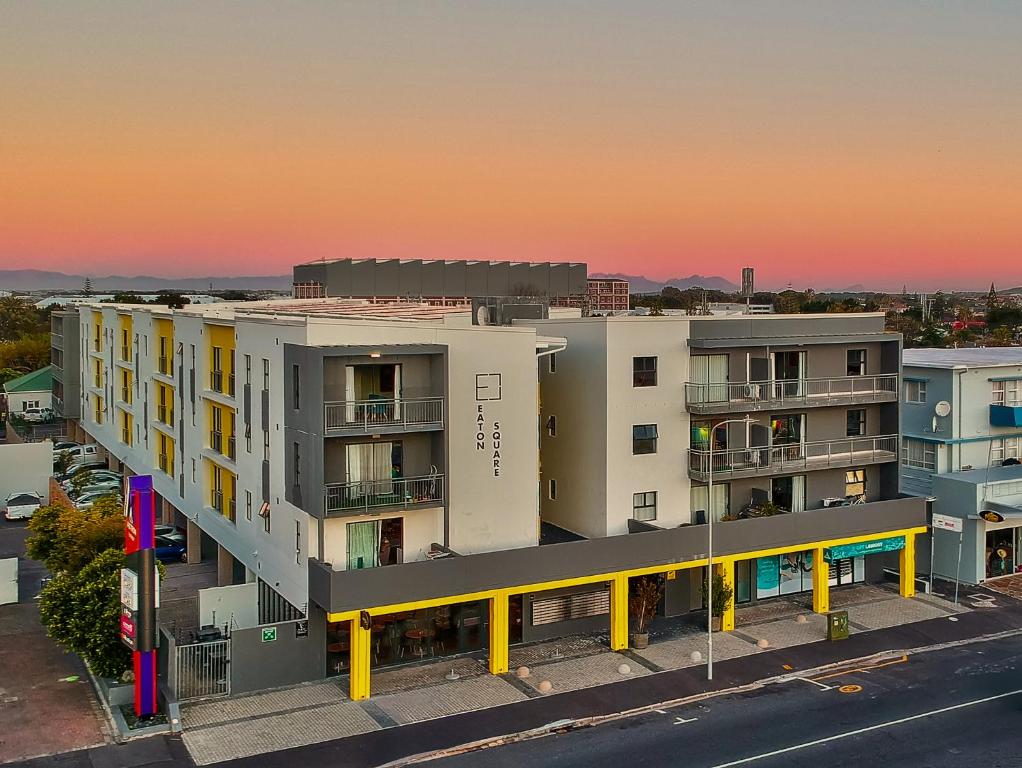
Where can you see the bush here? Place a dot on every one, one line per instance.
(68, 539)
(82, 610)
(723, 593)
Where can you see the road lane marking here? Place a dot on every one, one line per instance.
(814, 682)
(901, 660)
(682, 721)
(877, 727)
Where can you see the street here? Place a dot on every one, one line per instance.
(957, 707)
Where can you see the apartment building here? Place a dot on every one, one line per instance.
(411, 483)
(65, 363)
(790, 414)
(607, 294)
(961, 421)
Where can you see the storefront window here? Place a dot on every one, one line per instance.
(1000, 552)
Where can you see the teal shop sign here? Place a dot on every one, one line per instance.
(864, 548)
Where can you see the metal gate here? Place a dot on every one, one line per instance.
(203, 669)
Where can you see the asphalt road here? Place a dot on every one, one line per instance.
(957, 708)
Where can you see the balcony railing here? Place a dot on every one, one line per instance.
(126, 436)
(230, 385)
(776, 459)
(97, 345)
(216, 441)
(166, 465)
(232, 448)
(217, 501)
(166, 367)
(165, 415)
(232, 509)
(126, 395)
(216, 381)
(125, 353)
(373, 494)
(794, 393)
(367, 415)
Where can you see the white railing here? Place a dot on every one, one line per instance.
(820, 454)
(395, 492)
(367, 415)
(795, 391)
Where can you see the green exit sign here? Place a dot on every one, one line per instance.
(269, 634)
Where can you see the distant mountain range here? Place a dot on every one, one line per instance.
(640, 284)
(41, 280)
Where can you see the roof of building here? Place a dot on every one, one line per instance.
(434, 261)
(37, 381)
(973, 357)
(985, 474)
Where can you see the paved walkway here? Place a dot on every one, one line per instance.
(251, 725)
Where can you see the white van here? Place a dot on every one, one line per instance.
(86, 456)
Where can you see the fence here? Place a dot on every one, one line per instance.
(202, 669)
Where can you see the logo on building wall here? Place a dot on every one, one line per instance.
(488, 427)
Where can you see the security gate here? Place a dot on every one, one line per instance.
(203, 669)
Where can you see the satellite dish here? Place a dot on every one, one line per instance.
(942, 409)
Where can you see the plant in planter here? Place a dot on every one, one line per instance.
(723, 594)
(764, 509)
(730, 516)
(642, 604)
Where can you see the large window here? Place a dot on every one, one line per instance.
(700, 505)
(915, 391)
(644, 437)
(644, 506)
(1006, 392)
(918, 453)
(856, 423)
(855, 484)
(643, 371)
(789, 493)
(856, 362)
(1003, 449)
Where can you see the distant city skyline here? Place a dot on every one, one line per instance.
(826, 144)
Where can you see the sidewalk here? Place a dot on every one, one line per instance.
(586, 679)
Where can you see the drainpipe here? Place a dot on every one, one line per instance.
(959, 372)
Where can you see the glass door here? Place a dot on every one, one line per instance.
(789, 374)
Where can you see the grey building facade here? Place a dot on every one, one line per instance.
(65, 356)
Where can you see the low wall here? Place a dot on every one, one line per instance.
(26, 467)
(296, 655)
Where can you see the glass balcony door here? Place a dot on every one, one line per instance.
(789, 374)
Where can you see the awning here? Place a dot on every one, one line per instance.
(861, 548)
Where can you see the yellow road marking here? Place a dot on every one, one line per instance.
(866, 668)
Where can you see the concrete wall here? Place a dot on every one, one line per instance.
(26, 467)
(8, 580)
(288, 660)
(420, 527)
(235, 606)
(19, 401)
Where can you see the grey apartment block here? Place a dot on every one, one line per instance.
(419, 279)
(65, 356)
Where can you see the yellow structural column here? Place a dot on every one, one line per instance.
(361, 652)
(821, 582)
(499, 629)
(619, 612)
(726, 569)
(907, 566)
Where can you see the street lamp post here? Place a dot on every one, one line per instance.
(709, 543)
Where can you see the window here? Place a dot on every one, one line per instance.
(264, 513)
(552, 489)
(266, 445)
(918, 453)
(552, 363)
(699, 503)
(297, 465)
(1006, 392)
(644, 506)
(551, 426)
(644, 437)
(298, 542)
(643, 371)
(915, 391)
(296, 385)
(855, 484)
(248, 369)
(1003, 449)
(856, 423)
(248, 505)
(856, 362)
(266, 373)
(193, 470)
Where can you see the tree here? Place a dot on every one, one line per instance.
(126, 297)
(67, 539)
(171, 299)
(87, 286)
(43, 525)
(26, 354)
(1001, 336)
(82, 610)
(18, 318)
(656, 308)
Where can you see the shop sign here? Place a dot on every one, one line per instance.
(861, 548)
(947, 523)
(992, 517)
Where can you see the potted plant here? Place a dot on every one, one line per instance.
(764, 509)
(723, 594)
(642, 605)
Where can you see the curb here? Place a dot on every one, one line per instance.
(563, 726)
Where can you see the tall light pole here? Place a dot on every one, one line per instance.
(709, 542)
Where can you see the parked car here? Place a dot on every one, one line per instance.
(64, 445)
(165, 530)
(86, 455)
(21, 505)
(101, 488)
(94, 473)
(89, 499)
(171, 547)
(36, 415)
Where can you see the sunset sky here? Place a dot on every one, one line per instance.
(826, 144)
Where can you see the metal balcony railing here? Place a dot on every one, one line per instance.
(791, 392)
(216, 441)
(126, 395)
(230, 385)
(232, 448)
(166, 465)
(125, 353)
(775, 459)
(232, 509)
(217, 500)
(97, 345)
(366, 415)
(216, 381)
(166, 367)
(165, 415)
(126, 436)
(394, 492)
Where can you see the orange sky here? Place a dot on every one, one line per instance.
(824, 144)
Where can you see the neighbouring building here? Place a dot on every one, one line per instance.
(448, 283)
(961, 410)
(607, 294)
(33, 390)
(384, 482)
(66, 353)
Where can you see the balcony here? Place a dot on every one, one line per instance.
(125, 353)
(798, 457)
(1006, 414)
(165, 367)
(166, 464)
(342, 499)
(165, 415)
(216, 501)
(380, 416)
(126, 395)
(232, 448)
(230, 385)
(216, 441)
(216, 381)
(796, 393)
